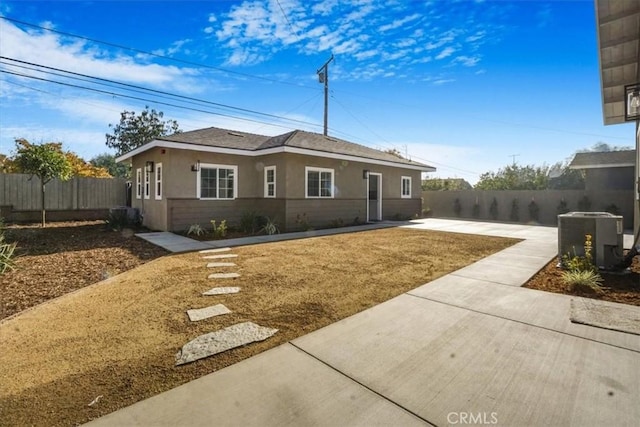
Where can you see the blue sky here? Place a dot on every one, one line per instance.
(460, 85)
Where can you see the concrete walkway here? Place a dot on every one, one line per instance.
(175, 243)
(472, 347)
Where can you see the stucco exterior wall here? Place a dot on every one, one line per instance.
(180, 207)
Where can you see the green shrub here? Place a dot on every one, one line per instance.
(534, 211)
(583, 281)
(562, 207)
(7, 252)
(612, 209)
(271, 227)
(515, 211)
(249, 222)
(336, 223)
(195, 229)
(493, 209)
(303, 223)
(580, 263)
(219, 231)
(584, 204)
(475, 211)
(457, 207)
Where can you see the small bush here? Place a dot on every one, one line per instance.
(515, 211)
(493, 209)
(475, 211)
(612, 209)
(583, 281)
(7, 252)
(562, 207)
(584, 204)
(195, 229)
(457, 207)
(249, 222)
(270, 227)
(534, 211)
(336, 223)
(219, 231)
(303, 223)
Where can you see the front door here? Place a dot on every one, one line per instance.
(374, 190)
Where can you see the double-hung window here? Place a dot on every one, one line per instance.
(270, 181)
(318, 182)
(158, 193)
(139, 183)
(405, 190)
(147, 184)
(217, 182)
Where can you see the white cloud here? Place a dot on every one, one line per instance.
(443, 81)
(476, 37)
(467, 61)
(366, 54)
(325, 7)
(212, 18)
(399, 22)
(446, 52)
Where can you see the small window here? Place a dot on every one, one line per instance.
(147, 184)
(319, 182)
(159, 181)
(270, 181)
(406, 187)
(217, 182)
(138, 183)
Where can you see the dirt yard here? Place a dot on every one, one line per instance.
(118, 338)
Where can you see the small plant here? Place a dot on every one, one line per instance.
(219, 231)
(515, 211)
(195, 229)
(7, 252)
(475, 211)
(336, 223)
(583, 281)
(562, 207)
(427, 212)
(493, 209)
(584, 204)
(303, 223)
(357, 221)
(270, 227)
(118, 219)
(457, 207)
(612, 209)
(249, 221)
(534, 211)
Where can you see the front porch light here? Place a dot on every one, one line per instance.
(632, 102)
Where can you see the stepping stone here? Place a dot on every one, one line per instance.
(209, 251)
(223, 256)
(225, 339)
(222, 291)
(220, 264)
(207, 312)
(224, 275)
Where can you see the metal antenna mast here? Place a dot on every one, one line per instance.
(513, 156)
(323, 77)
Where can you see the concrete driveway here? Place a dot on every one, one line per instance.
(471, 348)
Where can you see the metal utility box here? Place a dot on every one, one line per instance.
(606, 236)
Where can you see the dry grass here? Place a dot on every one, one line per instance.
(118, 338)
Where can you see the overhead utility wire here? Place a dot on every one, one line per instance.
(99, 79)
(114, 94)
(132, 49)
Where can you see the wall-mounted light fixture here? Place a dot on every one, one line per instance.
(148, 166)
(365, 173)
(632, 102)
(195, 167)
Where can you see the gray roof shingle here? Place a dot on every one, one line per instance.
(605, 159)
(223, 138)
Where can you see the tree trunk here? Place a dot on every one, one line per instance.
(43, 211)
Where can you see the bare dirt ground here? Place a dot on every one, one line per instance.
(118, 338)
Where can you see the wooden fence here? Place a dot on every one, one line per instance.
(77, 198)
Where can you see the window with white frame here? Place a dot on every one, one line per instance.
(270, 181)
(318, 182)
(158, 193)
(147, 184)
(138, 183)
(405, 191)
(217, 182)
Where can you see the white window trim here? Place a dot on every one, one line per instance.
(308, 169)
(139, 183)
(147, 184)
(266, 184)
(158, 185)
(402, 195)
(214, 166)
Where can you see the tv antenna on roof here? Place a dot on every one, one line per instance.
(323, 77)
(513, 156)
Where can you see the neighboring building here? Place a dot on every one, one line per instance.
(610, 170)
(296, 178)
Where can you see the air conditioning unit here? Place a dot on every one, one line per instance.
(606, 236)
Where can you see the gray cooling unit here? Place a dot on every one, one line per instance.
(606, 236)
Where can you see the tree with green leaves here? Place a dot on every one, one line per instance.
(445, 184)
(46, 161)
(108, 162)
(135, 130)
(515, 177)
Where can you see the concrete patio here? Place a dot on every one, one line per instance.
(472, 347)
